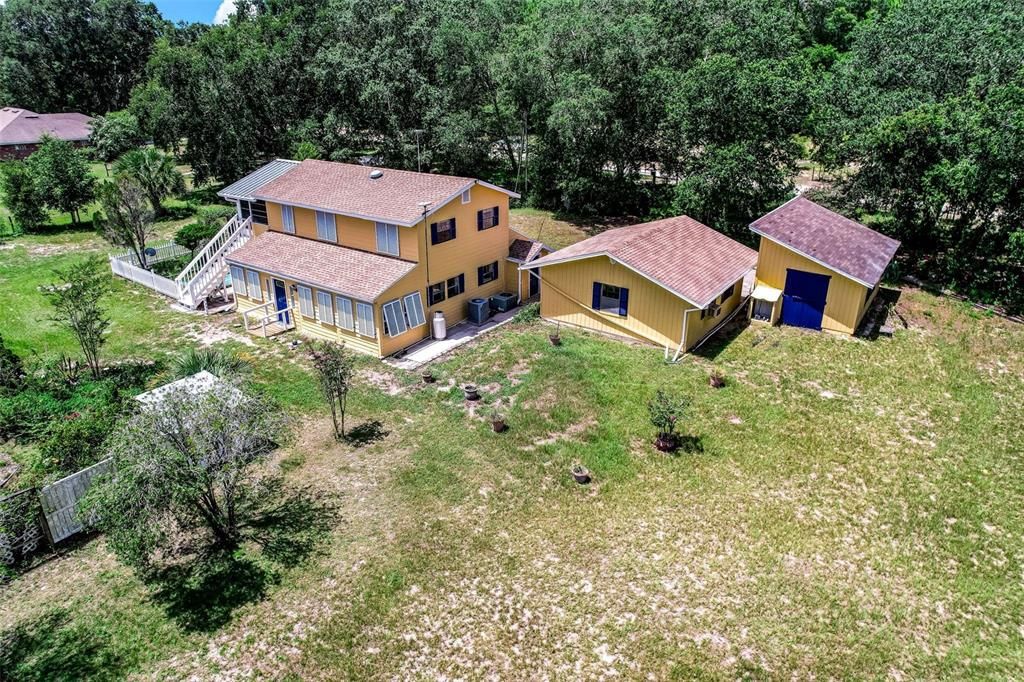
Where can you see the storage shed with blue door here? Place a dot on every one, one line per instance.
(817, 269)
(670, 282)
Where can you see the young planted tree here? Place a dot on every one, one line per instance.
(666, 411)
(76, 298)
(12, 369)
(62, 177)
(125, 218)
(21, 195)
(334, 366)
(115, 134)
(186, 475)
(155, 172)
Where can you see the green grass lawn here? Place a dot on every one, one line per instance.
(846, 509)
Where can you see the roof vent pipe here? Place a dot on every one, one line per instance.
(374, 174)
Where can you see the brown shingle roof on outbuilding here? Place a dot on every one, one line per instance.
(338, 269)
(833, 240)
(392, 196)
(682, 255)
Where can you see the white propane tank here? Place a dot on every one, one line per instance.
(440, 326)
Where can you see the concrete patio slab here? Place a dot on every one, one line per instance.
(430, 349)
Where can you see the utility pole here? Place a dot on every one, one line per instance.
(418, 131)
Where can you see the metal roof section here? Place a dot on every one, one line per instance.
(246, 188)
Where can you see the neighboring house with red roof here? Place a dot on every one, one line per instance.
(669, 282)
(817, 269)
(368, 256)
(21, 130)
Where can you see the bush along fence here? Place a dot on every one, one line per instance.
(35, 518)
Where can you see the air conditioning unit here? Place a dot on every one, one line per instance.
(503, 302)
(479, 310)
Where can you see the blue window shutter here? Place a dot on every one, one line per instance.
(623, 301)
(433, 233)
(597, 296)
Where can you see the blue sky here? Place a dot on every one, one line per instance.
(190, 10)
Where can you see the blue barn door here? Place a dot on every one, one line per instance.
(803, 300)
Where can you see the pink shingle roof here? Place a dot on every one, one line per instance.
(21, 126)
(348, 189)
(833, 240)
(338, 269)
(682, 255)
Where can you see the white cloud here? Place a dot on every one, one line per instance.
(226, 9)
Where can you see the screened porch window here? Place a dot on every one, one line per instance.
(255, 290)
(238, 280)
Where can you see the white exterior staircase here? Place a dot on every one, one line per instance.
(206, 273)
(201, 277)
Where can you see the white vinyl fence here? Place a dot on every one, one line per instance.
(60, 498)
(124, 268)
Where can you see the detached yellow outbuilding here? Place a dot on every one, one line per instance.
(670, 282)
(816, 268)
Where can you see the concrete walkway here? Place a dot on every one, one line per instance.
(428, 350)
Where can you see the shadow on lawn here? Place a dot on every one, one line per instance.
(366, 433)
(287, 525)
(53, 646)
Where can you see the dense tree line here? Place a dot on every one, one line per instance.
(648, 107)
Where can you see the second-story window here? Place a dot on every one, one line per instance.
(467, 197)
(288, 219)
(486, 218)
(387, 239)
(442, 232)
(326, 229)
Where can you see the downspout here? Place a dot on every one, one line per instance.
(686, 325)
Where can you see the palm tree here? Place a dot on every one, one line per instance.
(155, 172)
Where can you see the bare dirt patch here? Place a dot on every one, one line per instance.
(571, 432)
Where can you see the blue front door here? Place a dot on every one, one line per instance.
(281, 300)
(803, 300)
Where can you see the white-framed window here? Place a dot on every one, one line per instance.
(255, 290)
(326, 228)
(324, 307)
(288, 219)
(238, 280)
(413, 305)
(346, 320)
(364, 320)
(305, 301)
(467, 196)
(394, 318)
(387, 239)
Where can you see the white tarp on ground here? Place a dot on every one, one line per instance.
(200, 383)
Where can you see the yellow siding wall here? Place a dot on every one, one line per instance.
(470, 249)
(352, 232)
(846, 299)
(654, 314)
(697, 329)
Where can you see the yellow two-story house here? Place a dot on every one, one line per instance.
(367, 256)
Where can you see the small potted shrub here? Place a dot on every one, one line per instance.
(428, 376)
(581, 474)
(666, 412)
(554, 338)
(471, 392)
(498, 422)
(716, 378)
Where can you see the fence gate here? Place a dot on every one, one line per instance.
(20, 530)
(60, 498)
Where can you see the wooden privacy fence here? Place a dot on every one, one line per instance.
(60, 498)
(33, 517)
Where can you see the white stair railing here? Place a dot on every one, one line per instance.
(207, 270)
